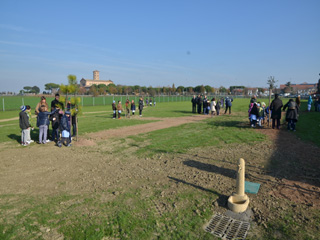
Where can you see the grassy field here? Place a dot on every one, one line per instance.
(96, 118)
(85, 216)
(12, 103)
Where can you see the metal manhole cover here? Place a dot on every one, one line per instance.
(227, 227)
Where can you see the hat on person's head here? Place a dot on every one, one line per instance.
(68, 113)
(113, 101)
(23, 108)
(57, 94)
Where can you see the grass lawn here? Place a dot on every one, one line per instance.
(132, 215)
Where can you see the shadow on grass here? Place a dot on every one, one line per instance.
(211, 168)
(222, 199)
(15, 137)
(238, 124)
(295, 159)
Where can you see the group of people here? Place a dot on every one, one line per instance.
(61, 122)
(316, 102)
(117, 108)
(258, 112)
(204, 105)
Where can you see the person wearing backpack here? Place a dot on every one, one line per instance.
(292, 114)
(228, 105)
(275, 107)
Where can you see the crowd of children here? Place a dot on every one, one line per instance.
(130, 107)
(258, 112)
(60, 123)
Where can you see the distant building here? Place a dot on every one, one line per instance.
(303, 88)
(87, 83)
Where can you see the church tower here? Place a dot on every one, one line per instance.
(95, 75)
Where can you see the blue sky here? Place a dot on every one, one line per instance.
(158, 43)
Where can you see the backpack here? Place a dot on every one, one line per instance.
(292, 105)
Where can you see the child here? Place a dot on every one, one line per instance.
(127, 108)
(119, 107)
(55, 118)
(133, 107)
(260, 114)
(253, 113)
(213, 106)
(28, 111)
(114, 109)
(24, 125)
(154, 103)
(65, 130)
(43, 123)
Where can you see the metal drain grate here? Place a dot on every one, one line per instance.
(227, 227)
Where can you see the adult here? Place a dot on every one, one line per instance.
(228, 105)
(292, 114)
(275, 108)
(43, 101)
(199, 104)
(194, 103)
(56, 103)
(140, 106)
(205, 105)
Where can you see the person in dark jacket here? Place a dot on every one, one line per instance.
(292, 114)
(228, 105)
(43, 123)
(65, 130)
(194, 104)
(133, 107)
(140, 106)
(275, 107)
(24, 125)
(55, 119)
(253, 114)
(218, 107)
(199, 103)
(205, 105)
(114, 109)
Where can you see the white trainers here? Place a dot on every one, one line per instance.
(48, 140)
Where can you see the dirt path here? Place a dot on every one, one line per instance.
(143, 128)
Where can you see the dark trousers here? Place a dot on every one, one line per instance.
(64, 141)
(194, 108)
(227, 110)
(140, 112)
(199, 108)
(291, 125)
(114, 114)
(274, 121)
(55, 134)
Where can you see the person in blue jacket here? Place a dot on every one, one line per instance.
(228, 105)
(65, 130)
(43, 123)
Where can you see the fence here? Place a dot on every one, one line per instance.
(10, 103)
